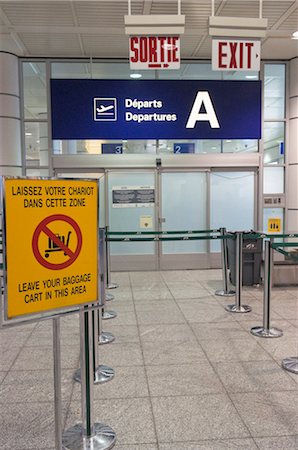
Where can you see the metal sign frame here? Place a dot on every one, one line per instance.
(5, 322)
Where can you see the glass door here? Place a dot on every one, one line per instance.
(232, 204)
(183, 207)
(131, 206)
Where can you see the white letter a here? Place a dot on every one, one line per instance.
(202, 98)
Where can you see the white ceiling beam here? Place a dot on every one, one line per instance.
(147, 7)
(75, 21)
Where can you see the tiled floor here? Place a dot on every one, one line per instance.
(189, 375)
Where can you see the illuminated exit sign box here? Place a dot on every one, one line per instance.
(236, 55)
(154, 52)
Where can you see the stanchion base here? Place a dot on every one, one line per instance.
(266, 333)
(106, 315)
(112, 286)
(102, 374)
(290, 364)
(105, 338)
(237, 309)
(104, 438)
(109, 297)
(223, 293)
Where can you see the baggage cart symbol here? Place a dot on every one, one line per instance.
(53, 247)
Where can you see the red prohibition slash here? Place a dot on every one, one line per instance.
(42, 228)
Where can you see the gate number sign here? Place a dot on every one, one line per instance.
(51, 260)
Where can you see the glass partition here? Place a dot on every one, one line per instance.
(184, 201)
(274, 91)
(232, 202)
(131, 207)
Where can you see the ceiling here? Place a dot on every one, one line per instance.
(96, 28)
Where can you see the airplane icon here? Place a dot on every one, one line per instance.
(103, 109)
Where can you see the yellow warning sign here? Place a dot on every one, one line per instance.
(51, 242)
(274, 225)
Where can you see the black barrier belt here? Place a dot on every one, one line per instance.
(130, 233)
(181, 238)
(279, 247)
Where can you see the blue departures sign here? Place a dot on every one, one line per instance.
(155, 109)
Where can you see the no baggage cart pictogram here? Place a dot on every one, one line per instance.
(57, 242)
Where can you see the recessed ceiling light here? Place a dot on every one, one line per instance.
(295, 35)
(135, 76)
(251, 77)
(228, 140)
(28, 134)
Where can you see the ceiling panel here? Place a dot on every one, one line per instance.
(273, 11)
(197, 13)
(291, 23)
(88, 28)
(56, 44)
(104, 13)
(105, 46)
(38, 13)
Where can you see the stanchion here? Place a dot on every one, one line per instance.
(88, 435)
(225, 292)
(266, 331)
(109, 284)
(109, 297)
(101, 372)
(104, 337)
(105, 315)
(237, 307)
(57, 382)
(290, 364)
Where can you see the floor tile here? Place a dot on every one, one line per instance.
(157, 316)
(127, 354)
(269, 414)
(182, 352)
(128, 382)
(261, 376)
(199, 417)
(152, 294)
(196, 312)
(122, 333)
(123, 318)
(34, 386)
(135, 447)
(177, 275)
(10, 338)
(183, 380)
(234, 350)
(275, 443)
(187, 290)
(280, 348)
(227, 444)
(2, 376)
(8, 356)
(131, 419)
(165, 332)
(39, 358)
(219, 330)
(28, 425)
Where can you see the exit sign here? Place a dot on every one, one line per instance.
(228, 54)
(154, 52)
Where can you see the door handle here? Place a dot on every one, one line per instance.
(161, 220)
